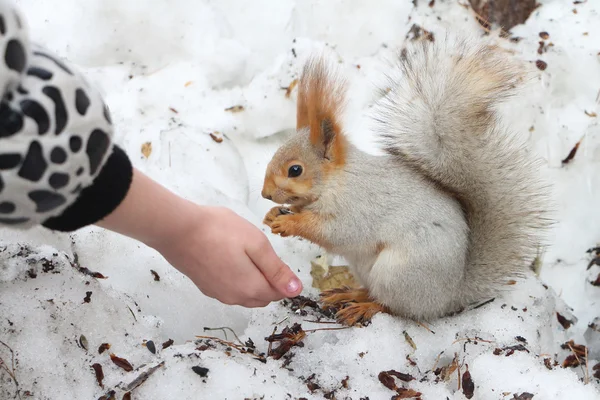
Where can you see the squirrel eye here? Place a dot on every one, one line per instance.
(294, 171)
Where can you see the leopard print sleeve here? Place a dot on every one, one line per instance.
(57, 159)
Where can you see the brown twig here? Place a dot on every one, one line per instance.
(12, 373)
(474, 340)
(224, 328)
(328, 329)
(233, 345)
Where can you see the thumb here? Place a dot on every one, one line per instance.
(277, 273)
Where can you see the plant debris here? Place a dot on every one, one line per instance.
(544, 35)
(155, 274)
(103, 347)
(127, 396)
(203, 372)
(288, 338)
(572, 153)
(108, 396)
(467, 384)
(143, 377)
(404, 393)
(563, 321)
(235, 109)
(83, 342)
(409, 340)
(173, 110)
(523, 396)
(446, 372)
(416, 32)
(387, 379)
(336, 277)
(167, 344)
(147, 149)
(590, 114)
(290, 88)
(541, 65)
(216, 138)
(150, 346)
(88, 297)
(502, 13)
(121, 363)
(99, 374)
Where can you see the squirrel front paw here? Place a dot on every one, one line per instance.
(274, 213)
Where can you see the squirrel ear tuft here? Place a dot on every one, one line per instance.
(321, 98)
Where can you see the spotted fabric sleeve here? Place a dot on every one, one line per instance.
(58, 165)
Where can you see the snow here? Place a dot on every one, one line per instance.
(168, 72)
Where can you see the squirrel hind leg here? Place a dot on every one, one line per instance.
(354, 305)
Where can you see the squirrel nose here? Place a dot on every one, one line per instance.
(266, 196)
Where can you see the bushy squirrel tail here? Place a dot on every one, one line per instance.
(438, 117)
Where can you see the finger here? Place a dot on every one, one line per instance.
(279, 275)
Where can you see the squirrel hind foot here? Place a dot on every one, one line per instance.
(354, 306)
(360, 313)
(338, 297)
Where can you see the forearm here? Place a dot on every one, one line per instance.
(149, 213)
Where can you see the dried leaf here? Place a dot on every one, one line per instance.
(468, 387)
(168, 343)
(235, 109)
(147, 149)
(510, 350)
(93, 274)
(597, 281)
(99, 374)
(404, 393)
(121, 363)
(572, 153)
(579, 349)
(402, 376)
(547, 363)
(127, 396)
(216, 138)
(345, 382)
(544, 35)
(103, 347)
(387, 380)
(590, 114)
(155, 274)
(431, 3)
(542, 65)
(571, 361)
(203, 372)
(288, 338)
(563, 321)
(336, 277)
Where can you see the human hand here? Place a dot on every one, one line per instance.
(229, 259)
(226, 256)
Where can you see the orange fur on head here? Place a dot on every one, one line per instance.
(321, 98)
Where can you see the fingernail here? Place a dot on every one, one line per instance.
(293, 285)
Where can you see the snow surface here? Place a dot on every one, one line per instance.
(168, 71)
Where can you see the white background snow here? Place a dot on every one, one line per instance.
(168, 71)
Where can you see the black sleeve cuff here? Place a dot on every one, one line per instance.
(99, 199)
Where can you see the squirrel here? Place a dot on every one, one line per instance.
(449, 215)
